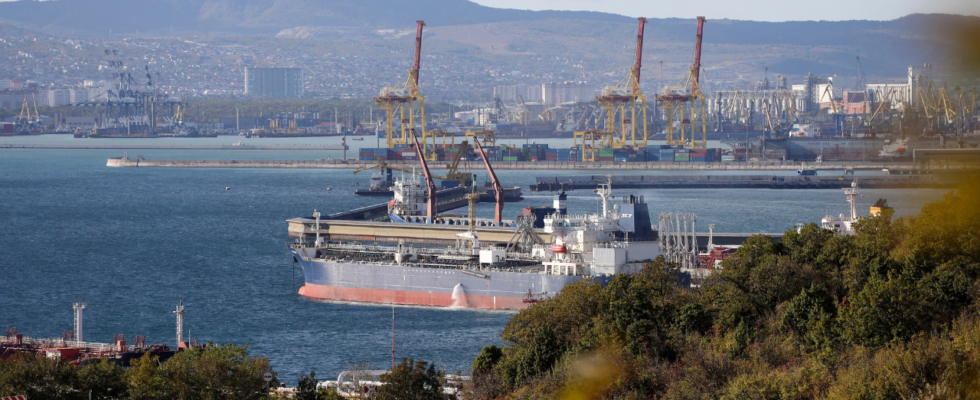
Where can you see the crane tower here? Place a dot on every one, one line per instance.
(620, 102)
(398, 103)
(685, 106)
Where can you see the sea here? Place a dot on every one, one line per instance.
(131, 243)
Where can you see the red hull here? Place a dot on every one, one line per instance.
(403, 297)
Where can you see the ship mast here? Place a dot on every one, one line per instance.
(853, 191)
(605, 191)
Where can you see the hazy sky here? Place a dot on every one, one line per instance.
(756, 10)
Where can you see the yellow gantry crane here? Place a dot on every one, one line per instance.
(620, 102)
(685, 105)
(398, 103)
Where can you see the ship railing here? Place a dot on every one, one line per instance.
(57, 342)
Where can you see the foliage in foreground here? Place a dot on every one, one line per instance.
(220, 372)
(888, 313)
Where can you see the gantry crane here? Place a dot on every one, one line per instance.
(687, 95)
(620, 100)
(400, 99)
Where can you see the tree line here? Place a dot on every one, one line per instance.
(888, 313)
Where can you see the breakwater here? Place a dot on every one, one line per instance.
(174, 147)
(505, 165)
(756, 181)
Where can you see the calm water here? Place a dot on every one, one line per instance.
(130, 242)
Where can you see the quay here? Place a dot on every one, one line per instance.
(757, 181)
(516, 165)
(174, 147)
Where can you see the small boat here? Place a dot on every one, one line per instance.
(328, 188)
(227, 187)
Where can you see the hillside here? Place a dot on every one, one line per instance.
(97, 17)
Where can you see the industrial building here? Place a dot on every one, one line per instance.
(549, 94)
(278, 83)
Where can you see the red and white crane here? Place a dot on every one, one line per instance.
(498, 191)
(431, 202)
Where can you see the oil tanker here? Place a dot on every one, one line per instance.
(594, 247)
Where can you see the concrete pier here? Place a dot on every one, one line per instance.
(520, 165)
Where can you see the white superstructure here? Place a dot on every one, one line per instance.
(842, 223)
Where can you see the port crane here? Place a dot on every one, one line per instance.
(452, 175)
(687, 95)
(399, 100)
(28, 122)
(430, 186)
(498, 191)
(834, 106)
(620, 100)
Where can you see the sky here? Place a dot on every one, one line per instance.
(756, 10)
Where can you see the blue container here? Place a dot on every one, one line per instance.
(381, 152)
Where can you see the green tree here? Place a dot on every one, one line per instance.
(487, 359)
(38, 377)
(145, 381)
(105, 380)
(412, 380)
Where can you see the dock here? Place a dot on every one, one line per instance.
(757, 181)
(513, 165)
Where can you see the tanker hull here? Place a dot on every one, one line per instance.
(424, 286)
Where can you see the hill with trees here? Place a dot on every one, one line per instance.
(888, 313)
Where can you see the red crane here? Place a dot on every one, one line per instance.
(696, 69)
(418, 51)
(431, 206)
(639, 56)
(498, 191)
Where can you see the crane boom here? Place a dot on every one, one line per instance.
(696, 69)
(498, 191)
(639, 55)
(431, 201)
(418, 50)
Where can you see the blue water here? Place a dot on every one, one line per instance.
(131, 241)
